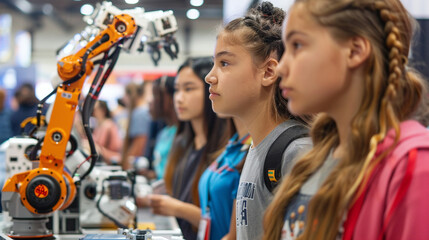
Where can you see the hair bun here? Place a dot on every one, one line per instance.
(266, 8)
(271, 13)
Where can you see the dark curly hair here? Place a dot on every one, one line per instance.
(260, 33)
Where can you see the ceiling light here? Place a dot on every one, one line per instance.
(193, 13)
(131, 1)
(86, 9)
(197, 3)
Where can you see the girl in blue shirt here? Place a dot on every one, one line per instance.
(218, 186)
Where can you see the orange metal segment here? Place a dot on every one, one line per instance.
(69, 66)
(72, 191)
(122, 26)
(59, 128)
(43, 171)
(12, 183)
(30, 237)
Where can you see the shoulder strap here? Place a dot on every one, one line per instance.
(273, 161)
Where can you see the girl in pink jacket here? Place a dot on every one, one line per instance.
(367, 176)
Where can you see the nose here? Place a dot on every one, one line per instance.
(178, 97)
(211, 78)
(282, 67)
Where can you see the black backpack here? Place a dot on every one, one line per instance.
(273, 160)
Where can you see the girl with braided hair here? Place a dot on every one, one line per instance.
(244, 84)
(367, 174)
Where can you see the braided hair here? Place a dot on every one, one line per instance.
(260, 33)
(392, 93)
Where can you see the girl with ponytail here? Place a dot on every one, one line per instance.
(244, 84)
(367, 174)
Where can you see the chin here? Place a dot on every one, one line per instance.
(296, 110)
(221, 113)
(217, 109)
(182, 117)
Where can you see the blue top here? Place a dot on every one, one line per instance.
(140, 122)
(219, 183)
(17, 117)
(5, 126)
(162, 148)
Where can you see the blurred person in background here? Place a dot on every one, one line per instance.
(138, 126)
(27, 107)
(5, 114)
(162, 110)
(106, 134)
(120, 116)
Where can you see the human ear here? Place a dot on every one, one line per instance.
(270, 73)
(359, 51)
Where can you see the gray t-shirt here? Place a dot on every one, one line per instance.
(253, 196)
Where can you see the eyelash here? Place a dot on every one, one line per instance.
(296, 45)
(186, 89)
(224, 63)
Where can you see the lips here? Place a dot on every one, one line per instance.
(286, 92)
(213, 94)
(180, 109)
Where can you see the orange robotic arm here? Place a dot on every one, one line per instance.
(48, 187)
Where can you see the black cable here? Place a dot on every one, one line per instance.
(89, 103)
(132, 176)
(103, 39)
(73, 143)
(37, 147)
(40, 106)
(82, 72)
(118, 224)
(114, 59)
(80, 164)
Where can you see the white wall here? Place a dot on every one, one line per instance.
(234, 8)
(50, 37)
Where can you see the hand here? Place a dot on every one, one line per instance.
(149, 174)
(164, 204)
(143, 201)
(226, 237)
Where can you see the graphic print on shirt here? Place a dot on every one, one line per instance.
(246, 191)
(295, 217)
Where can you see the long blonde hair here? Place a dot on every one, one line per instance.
(392, 93)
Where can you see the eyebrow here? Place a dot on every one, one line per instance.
(293, 32)
(223, 53)
(185, 84)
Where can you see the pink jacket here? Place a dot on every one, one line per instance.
(410, 219)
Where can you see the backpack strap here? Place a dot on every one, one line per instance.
(273, 161)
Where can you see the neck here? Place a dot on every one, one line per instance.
(200, 138)
(241, 128)
(258, 124)
(171, 118)
(347, 106)
(343, 128)
(100, 119)
(141, 102)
